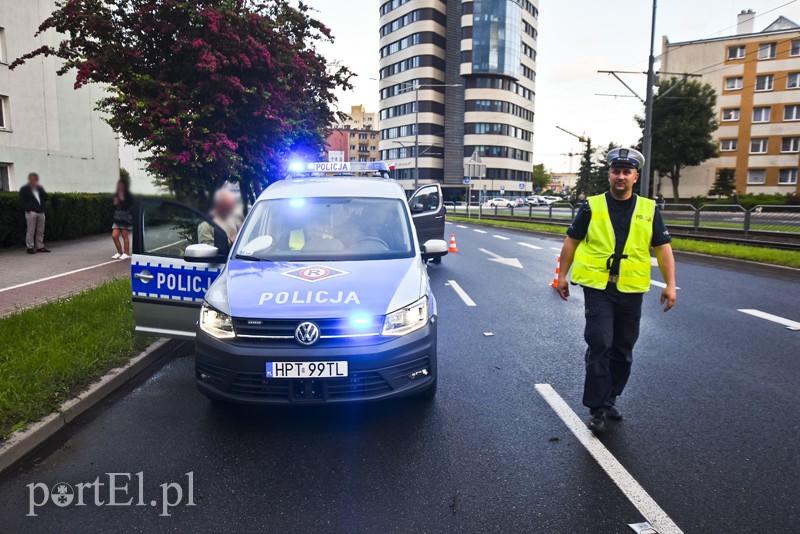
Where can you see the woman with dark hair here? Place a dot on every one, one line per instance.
(123, 220)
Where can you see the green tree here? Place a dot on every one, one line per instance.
(599, 181)
(724, 183)
(586, 170)
(208, 90)
(541, 178)
(684, 118)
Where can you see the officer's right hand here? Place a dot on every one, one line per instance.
(563, 288)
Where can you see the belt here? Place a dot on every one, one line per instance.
(613, 278)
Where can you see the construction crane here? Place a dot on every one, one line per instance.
(571, 155)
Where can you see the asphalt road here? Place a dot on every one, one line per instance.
(710, 432)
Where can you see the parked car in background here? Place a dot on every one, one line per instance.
(533, 201)
(544, 201)
(553, 200)
(521, 202)
(500, 202)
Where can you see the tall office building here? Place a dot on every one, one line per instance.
(462, 72)
(757, 78)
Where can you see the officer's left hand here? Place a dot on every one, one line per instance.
(669, 295)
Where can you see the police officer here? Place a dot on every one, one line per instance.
(608, 249)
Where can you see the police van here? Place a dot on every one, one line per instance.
(323, 297)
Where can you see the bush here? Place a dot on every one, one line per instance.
(69, 216)
(749, 202)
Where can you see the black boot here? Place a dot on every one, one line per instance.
(597, 422)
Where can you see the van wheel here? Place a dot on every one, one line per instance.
(429, 394)
(437, 260)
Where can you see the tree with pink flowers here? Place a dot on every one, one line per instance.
(209, 90)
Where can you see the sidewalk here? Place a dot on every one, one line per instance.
(73, 266)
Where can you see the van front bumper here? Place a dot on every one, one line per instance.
(394, 367)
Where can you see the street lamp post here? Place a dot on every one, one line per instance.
(647, 141)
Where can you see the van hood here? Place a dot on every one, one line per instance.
(323, 290)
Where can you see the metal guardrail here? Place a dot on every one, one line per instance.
(732, 218)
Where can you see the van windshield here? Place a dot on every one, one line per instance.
(326, 229)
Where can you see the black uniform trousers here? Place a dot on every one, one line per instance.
(612, 328)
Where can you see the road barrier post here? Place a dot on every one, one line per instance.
(747, 221)
(696, 219)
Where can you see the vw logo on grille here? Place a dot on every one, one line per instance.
(306, 333)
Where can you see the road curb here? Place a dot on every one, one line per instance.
(778, 269)
(22, 442)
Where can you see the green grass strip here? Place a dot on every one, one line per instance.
(50, 353)
(787, 258)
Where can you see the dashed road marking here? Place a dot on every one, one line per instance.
(479, 231)
(791, 325)
(556, 248)
(660, 284)
(635, 493)
(461, 293)
(653, 261)
(504, 238)
(528, 245)
(461, 226)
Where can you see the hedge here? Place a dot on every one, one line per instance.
(69, 216)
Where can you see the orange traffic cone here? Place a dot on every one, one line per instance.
(453, 247)
(558, 269)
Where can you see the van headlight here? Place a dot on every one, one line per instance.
(216, 323)
(408, 319)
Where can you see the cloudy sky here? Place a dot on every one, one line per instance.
(576, 39)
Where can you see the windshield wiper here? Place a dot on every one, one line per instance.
(249, 258)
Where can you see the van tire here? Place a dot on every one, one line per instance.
(437, 260)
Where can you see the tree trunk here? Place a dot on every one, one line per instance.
(675, 178)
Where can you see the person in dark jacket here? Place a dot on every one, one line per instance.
(33, 197)
(123, 221)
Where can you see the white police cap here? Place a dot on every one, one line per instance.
(626, 157)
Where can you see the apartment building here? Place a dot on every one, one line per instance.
(757, 78)
(46, 126)
(355, 138)
(461, 74)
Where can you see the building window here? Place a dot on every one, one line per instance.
(765, 82)
(728, 145)
(766, 51)
(793, 80)
(5, 123)
(3, 56)
(731, 84)
(736, 52)
(758, 145)
(761, 114)
(791, 113)
(790, 144)
(756, 176)
(795, 48)
(787, 177)
(5, 181)
(730, 114)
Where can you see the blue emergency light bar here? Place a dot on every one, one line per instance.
(351, 167)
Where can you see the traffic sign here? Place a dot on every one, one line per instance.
(502, 189)
(466, 180)
(522, 186)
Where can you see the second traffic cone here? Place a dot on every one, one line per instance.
(558, 270)
(453, 247)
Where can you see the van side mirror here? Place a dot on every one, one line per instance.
(202, 253)
(434, 247)
(417, 208)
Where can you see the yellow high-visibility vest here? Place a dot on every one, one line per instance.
(595, 253)
(297, 239)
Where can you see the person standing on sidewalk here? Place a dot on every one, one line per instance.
(608, 248)
(123, 220)
(32, 196)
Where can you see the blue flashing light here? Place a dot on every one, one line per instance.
(296, 166)
(297, 202)
(360, 321)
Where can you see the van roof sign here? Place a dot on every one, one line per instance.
(353, 167)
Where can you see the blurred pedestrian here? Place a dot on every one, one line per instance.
(123, 220)
(33, 197)
(661, 201)
(736, 197)
(610, 241)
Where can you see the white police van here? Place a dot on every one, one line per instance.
(324, 296)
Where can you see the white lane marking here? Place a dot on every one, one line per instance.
(461, 226)
(555, 248)
(791, 325)
(461, 293)
(615, 470)
(58, 275)
(660, 284)
(534, 247)
(653, 261)
(479, 231)
(511, 262)
(448, 222)
(501, 237)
